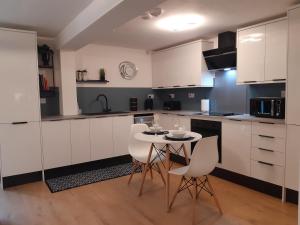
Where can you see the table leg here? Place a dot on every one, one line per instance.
(167, 175)
(187, 160)
(145, 170)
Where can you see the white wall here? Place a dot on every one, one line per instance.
(93, 57)
(68, 96)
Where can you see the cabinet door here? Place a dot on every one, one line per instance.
(121, 131)
(80, 141)
(276, 51)
(251, 55)
(101, 133)
(20, 148)
(293, 91)
(56, 143)
(19, 77)
(236, 146)
(292, 157)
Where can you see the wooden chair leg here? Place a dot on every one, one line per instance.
(214, 196)
(145, 170)
(134, 167)
(194, 201)
(151, 172)
(176, 192)
(160, 173)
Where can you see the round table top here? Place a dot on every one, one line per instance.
(159, 139)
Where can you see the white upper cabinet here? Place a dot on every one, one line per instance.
(121, 131)
(251, 55)
(293, 91)
(101, 133)
(182, 66)
(80, 141)
(262, 53)
(56, 143)
(20, 148)
(276, 51)
(19, 95)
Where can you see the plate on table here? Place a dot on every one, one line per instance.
(156, 132)
(184, 138)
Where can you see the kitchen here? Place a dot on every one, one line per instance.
(103, 71)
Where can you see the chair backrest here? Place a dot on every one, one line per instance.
(204, 158)
(134, 144)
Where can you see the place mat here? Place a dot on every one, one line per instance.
(155, 132)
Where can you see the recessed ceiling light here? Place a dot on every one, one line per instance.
(179, 23)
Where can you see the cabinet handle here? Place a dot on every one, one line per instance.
(268, 164)
(18, 123)
(79, 118)
(279, 80)
(251, 81)
(160, 87)
(266, 136)
(267, 150)
(191, 85)
(266, 122)
(176, 86)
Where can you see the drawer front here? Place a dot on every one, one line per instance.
(260, 154)
(268, 142)
(269, 173)
(272, 130)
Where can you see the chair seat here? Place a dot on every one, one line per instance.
(179, 171)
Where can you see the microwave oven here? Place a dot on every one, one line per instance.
(268, 107)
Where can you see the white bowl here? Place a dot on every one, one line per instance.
(178, 133)
(155, 129)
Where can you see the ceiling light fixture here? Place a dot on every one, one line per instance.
(179, 23)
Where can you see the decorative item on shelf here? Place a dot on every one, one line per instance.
(133, 104)
(102, 74)
(78, 75)
(84, 75)
(127, 70)
(148, 105)
(46, 54)
(43, 82)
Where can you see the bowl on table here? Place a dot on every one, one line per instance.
(155, 129)
(178, 133)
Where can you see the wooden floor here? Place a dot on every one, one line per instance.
(113, 202)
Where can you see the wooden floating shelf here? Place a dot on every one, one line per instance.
(92, 81)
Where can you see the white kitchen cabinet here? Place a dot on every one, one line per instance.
(276, 51)
(293, 91)
(80, 141)
(292, 157)
(56, 144)
(251, 54)
(101, 135)
(182, 66)
(236, 146)
(121, 131)
(19, 95)
(20, 148)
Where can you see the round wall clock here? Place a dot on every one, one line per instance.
(128, 70)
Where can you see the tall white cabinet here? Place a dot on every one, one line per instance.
(20, 142)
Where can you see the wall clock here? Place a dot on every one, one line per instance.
(127, 70)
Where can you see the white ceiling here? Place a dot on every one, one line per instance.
(220, 15)
(48, 17)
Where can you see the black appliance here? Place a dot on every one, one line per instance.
(172, 105)
(268, 107)
(133, 104)
(148, 104)
(225, 55)
(208, 128)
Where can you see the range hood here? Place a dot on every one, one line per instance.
(224, 57)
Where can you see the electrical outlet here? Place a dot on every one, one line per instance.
(191, 95)
(151, 96)
(43, 101)
(172, 96)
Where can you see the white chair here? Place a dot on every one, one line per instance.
(203, 161)
(140, 151)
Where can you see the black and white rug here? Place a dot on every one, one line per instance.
(88, 177)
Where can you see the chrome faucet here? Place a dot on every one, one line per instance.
(106, 109)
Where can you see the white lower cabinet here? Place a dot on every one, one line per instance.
(101, 135)
(56, 143)
(236, 146)
(80, 141)
(121, 131)
(20, 148)
(292, 157)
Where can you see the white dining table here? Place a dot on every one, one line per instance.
(157, 140)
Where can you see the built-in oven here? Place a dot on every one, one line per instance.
(208, 128)
(146, 118)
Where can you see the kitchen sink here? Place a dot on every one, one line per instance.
(104, 113)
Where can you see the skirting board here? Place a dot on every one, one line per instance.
(22, 179)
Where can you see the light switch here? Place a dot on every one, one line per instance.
(191, 95)
(172, 96)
